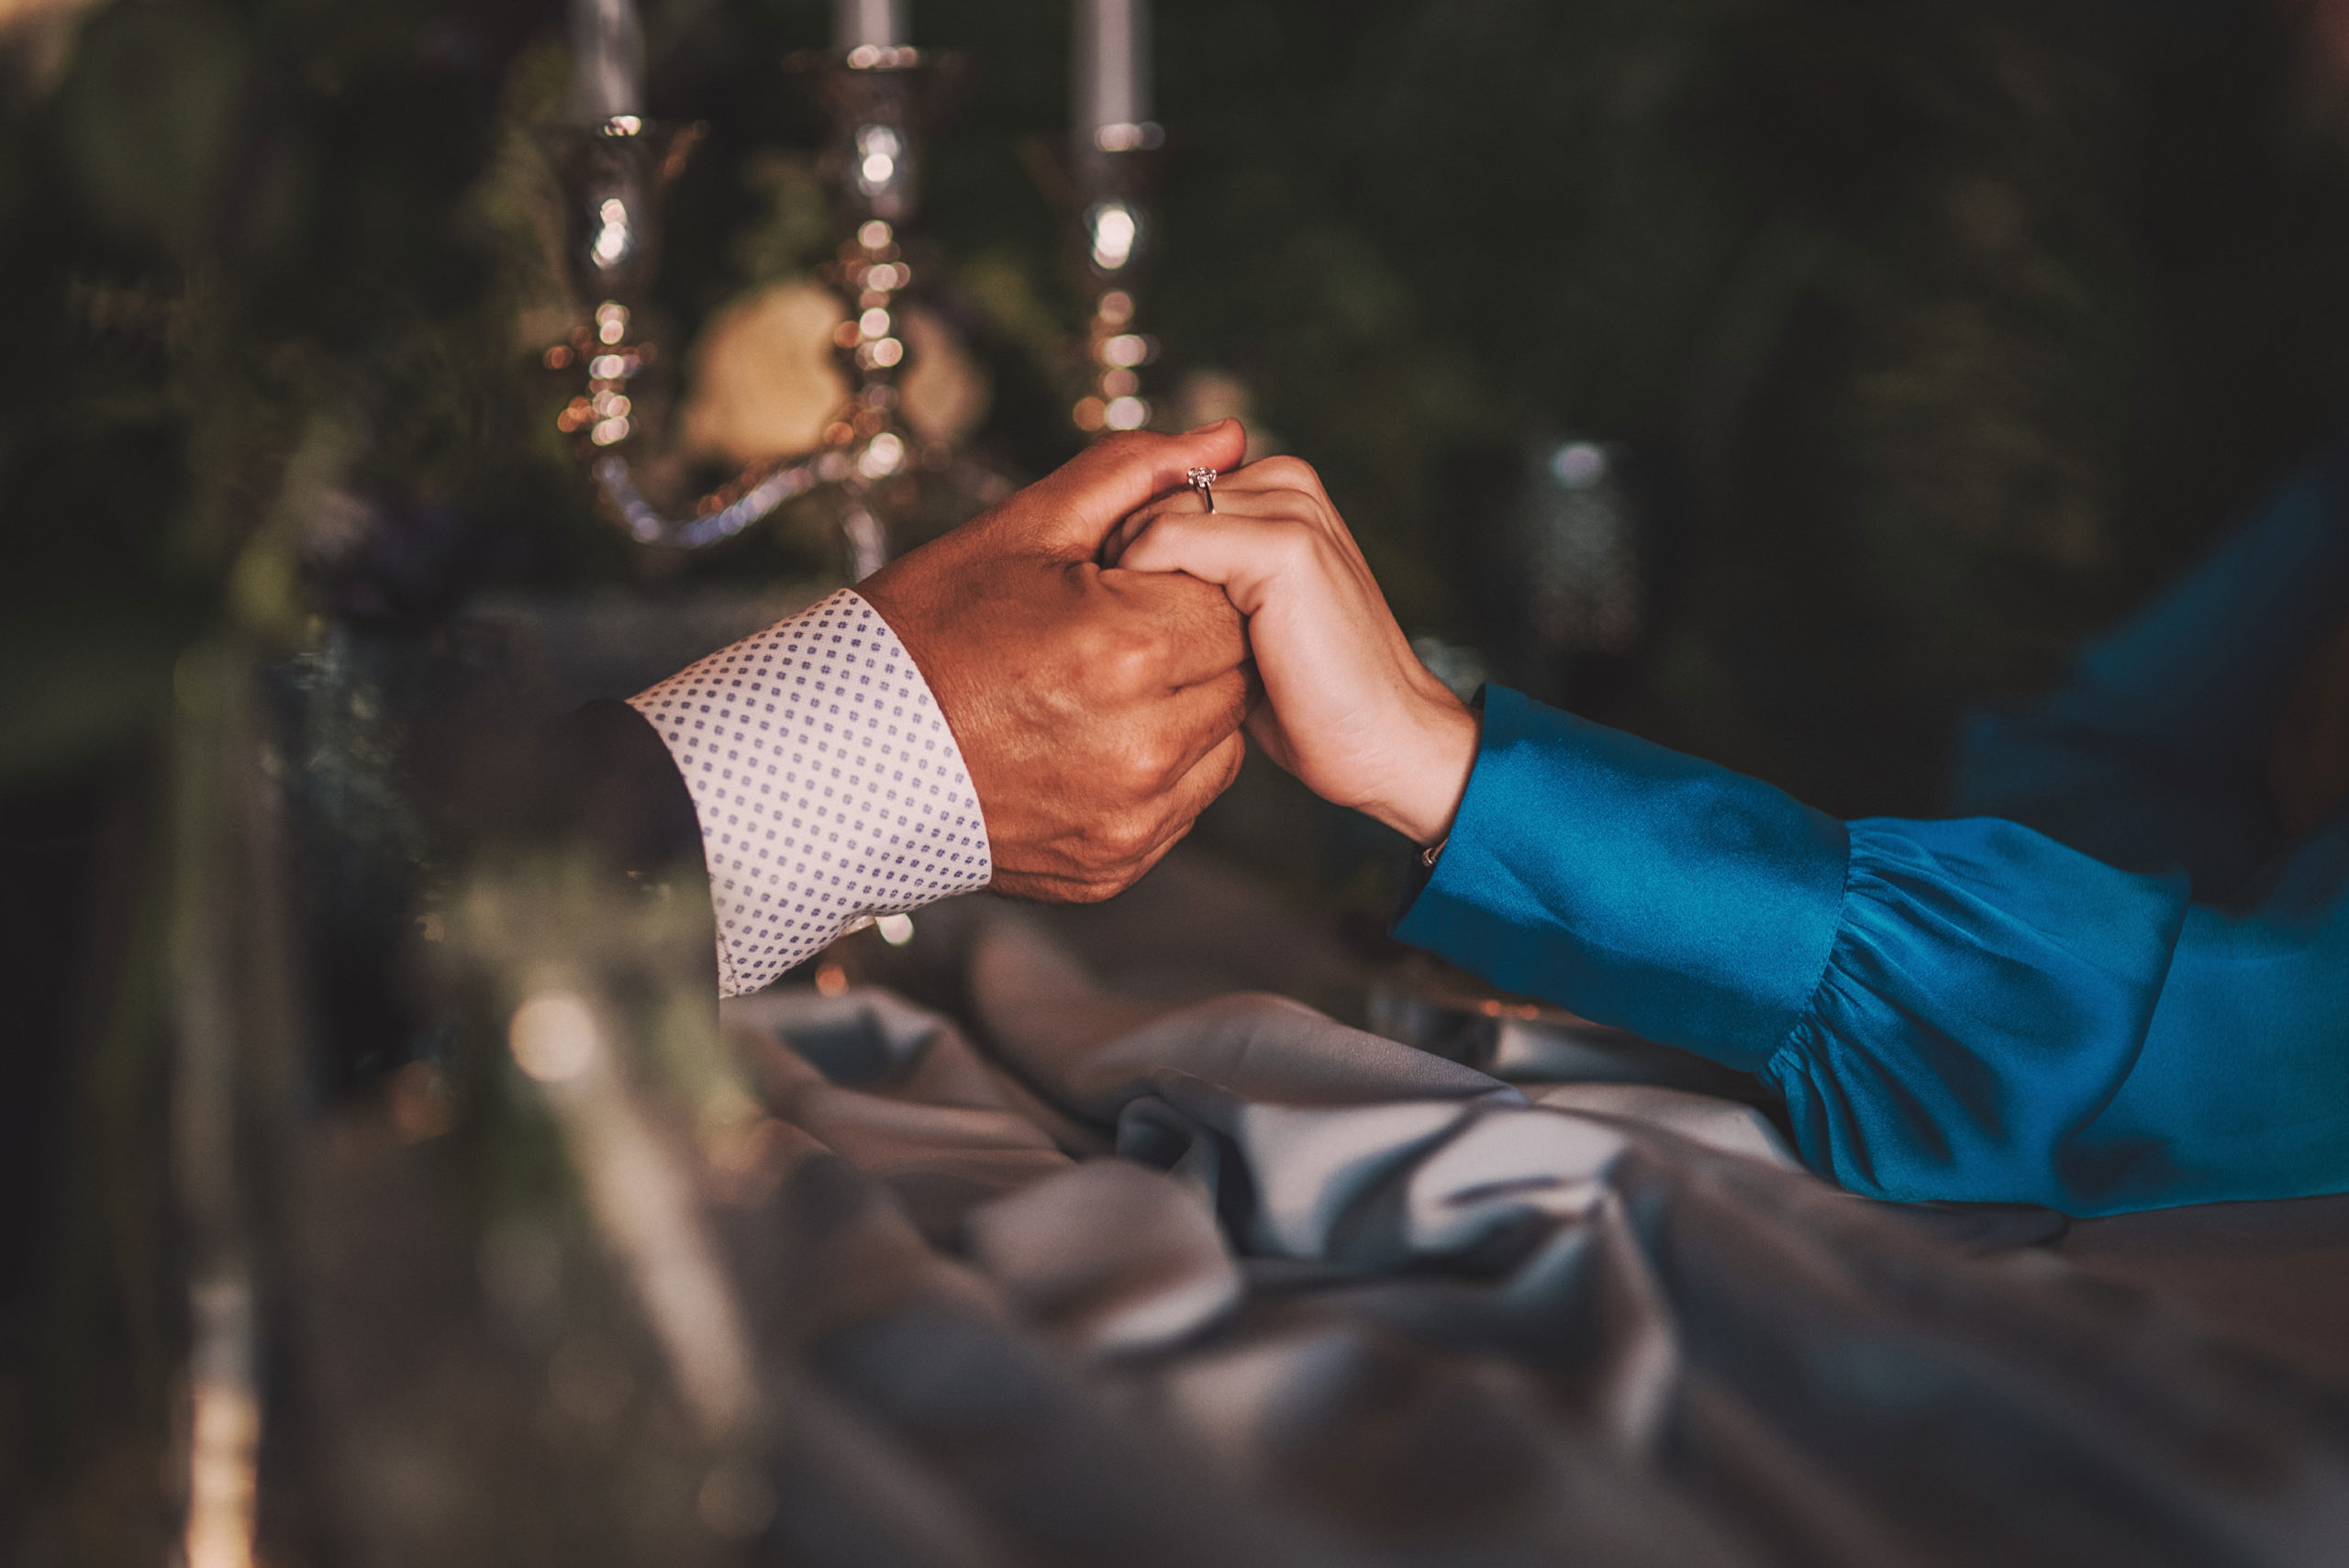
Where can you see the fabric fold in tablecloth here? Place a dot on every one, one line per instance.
(1366, 1305)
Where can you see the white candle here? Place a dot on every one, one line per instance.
(607, 59)
(879, 24)
(1112, 68)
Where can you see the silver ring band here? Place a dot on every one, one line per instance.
(1203, 481)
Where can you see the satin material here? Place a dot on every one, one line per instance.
(1409, 1315)
(2153, 752)
(1635, 885)
(2117, 988)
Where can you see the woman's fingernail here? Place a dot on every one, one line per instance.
(1210, 425)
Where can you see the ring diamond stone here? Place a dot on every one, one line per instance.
(1203, 481)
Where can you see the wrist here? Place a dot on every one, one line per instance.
(1432, 773)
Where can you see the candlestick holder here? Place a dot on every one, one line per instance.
(1111, 175)
(881, 101)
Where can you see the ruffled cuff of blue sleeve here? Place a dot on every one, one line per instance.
(1635, 885)
(1988, 993)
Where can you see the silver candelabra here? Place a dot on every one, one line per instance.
(615, 171)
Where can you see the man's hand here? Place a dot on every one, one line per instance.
(1348, 708)
(1098, 711)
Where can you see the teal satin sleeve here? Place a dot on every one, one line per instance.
(2242, 1088)
(1634, 884)
(1953, 1010)
(1988, 995)
(2153, 752)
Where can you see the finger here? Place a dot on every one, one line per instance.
(1192, 793)
(1186, 502)
(1281, 504)
(1116, 550)
(1283, 486)
(1275, 473)
(1198, 719)
(1237, 553)
(1280, 487)
(1297, 534)
(1127, 529)
(1200, 788)
(1184, 631)
(1044, 888)
(1263, 563)
(1085, 498)
(1180, 806)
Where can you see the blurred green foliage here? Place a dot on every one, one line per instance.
(1939, 331)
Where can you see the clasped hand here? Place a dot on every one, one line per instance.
(1348, 708)
(1097, 641)
(1098, 710)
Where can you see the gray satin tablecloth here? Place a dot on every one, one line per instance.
(1103, 1280)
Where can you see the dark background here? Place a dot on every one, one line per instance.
(1934, 335)
(1939, 331)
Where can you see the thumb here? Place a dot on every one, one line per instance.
(1081, 501)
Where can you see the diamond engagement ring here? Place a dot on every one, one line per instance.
(1203, 481)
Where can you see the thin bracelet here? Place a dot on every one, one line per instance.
(1428, 856)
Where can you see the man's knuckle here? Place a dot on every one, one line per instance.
(1121, 780)
(1126, 836)
(1093, 647)
(1150, 766)
(1131, 657)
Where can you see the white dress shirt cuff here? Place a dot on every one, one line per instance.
(829, 786)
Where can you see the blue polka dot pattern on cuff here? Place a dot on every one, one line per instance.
(828, 783)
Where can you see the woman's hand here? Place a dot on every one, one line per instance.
(1349, 707)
